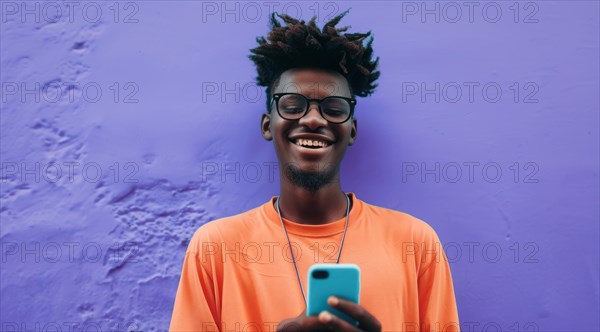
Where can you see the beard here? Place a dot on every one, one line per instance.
(310, 180)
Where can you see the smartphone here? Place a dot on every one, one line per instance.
(325, 280)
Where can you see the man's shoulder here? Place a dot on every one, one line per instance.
(221, 229)
(400, 221)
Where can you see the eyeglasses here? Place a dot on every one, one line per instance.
(334, 109)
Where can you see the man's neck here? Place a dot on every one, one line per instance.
(323, 206)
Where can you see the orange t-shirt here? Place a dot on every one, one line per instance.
(238, 273)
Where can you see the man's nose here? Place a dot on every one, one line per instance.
(313, 118)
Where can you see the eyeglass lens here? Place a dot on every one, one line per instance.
(333, 109)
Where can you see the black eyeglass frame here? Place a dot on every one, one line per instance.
(276, 96)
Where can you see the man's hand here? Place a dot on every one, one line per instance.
(328, 321)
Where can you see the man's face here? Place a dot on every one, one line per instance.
(310, 167)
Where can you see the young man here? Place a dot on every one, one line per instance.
(248, 272)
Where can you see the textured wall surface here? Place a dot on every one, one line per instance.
(127, 125)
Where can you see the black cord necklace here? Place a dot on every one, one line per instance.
(290, 244)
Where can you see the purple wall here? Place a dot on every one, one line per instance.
(127, 125)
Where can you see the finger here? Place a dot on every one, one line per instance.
(335, 323)
(301, 323)
(366, 321)
(298, 326)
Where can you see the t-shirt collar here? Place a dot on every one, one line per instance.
(328, 229)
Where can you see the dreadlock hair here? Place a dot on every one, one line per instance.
(304, 45)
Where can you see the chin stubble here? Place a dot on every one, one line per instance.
(312, 180)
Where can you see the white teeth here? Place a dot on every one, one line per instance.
(305, 142)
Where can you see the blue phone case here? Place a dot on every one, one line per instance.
(343, 281)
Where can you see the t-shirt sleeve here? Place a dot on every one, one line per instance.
(196, 307)
(437, 303)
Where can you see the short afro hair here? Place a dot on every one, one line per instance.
(304, 45)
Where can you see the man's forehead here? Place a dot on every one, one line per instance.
(314, 83)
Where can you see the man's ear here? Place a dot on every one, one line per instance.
(265, 126)
(353, 131)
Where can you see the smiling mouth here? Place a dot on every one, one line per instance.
(311, 143)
